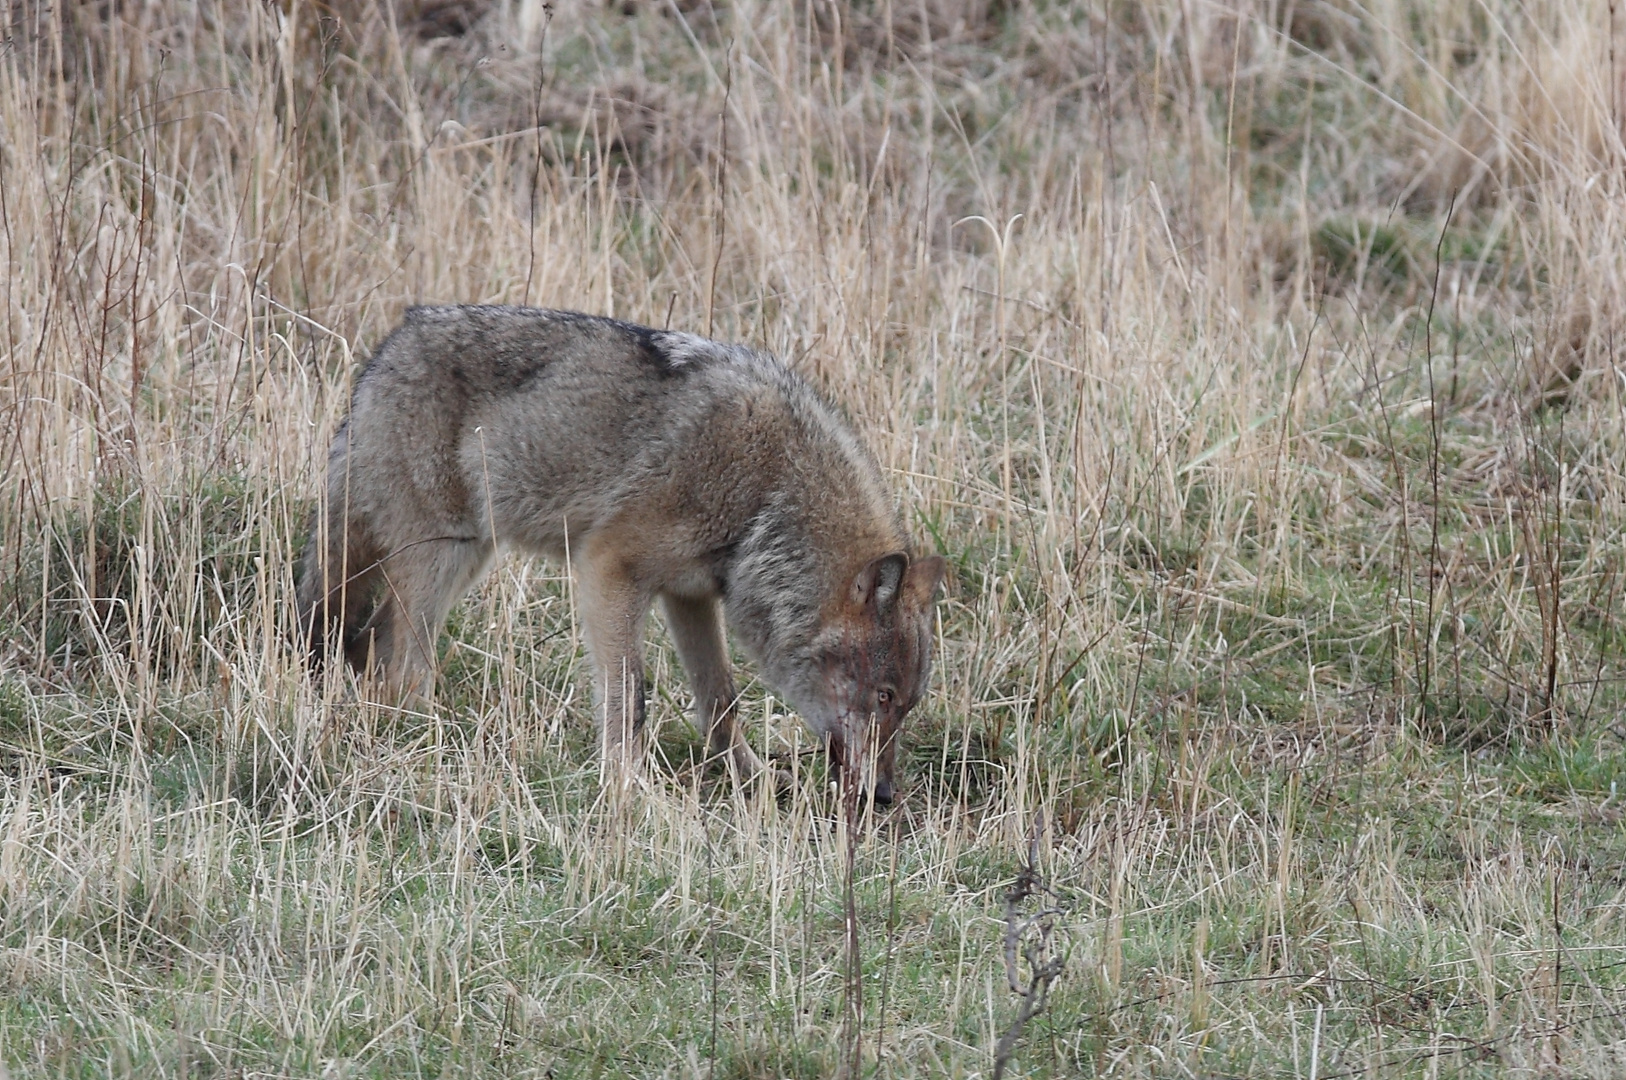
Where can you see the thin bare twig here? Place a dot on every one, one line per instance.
(1029, 935)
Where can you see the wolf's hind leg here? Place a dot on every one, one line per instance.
(422, 580)
(339, 574)
(697, 631)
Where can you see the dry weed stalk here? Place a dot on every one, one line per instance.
(1031, 936)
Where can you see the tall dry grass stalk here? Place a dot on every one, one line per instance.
(1255, 364)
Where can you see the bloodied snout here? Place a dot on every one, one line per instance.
(877, 668)
(866, 764)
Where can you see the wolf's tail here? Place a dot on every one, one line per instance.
(340, 571)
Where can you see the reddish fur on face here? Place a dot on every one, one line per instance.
(879, 662)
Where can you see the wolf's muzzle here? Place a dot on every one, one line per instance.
(860, 771)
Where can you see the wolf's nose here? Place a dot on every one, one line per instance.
(883, 792)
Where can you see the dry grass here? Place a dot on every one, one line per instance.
(1279, 447)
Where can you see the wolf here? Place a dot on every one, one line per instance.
(661, 466)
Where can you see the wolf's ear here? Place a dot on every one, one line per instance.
(920, 583)
(878, 582)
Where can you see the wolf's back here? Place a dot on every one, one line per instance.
(518, 420)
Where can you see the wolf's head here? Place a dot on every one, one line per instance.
(821, 592)
(868, 665)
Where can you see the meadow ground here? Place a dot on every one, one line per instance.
(1254, 363)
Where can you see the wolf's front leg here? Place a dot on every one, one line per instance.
(697, 631)
(613, 609)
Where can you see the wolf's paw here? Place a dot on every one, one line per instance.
(779, 781)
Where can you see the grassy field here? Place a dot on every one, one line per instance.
(1255, 363)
